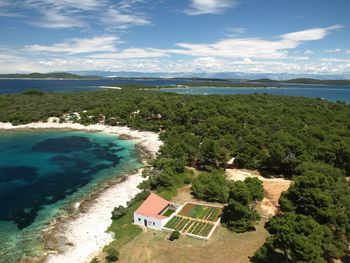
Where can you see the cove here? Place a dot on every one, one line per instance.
(43, 172)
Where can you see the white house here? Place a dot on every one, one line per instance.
(153, 212)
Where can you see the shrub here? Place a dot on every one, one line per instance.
(174, 235)
(112, 255)
(118, 212)
(139, 197)
(187, 180)
(94, 260)
(33, 92)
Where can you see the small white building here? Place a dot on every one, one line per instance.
(153, 212)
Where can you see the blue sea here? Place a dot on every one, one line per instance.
(331, 93)
(43, 173)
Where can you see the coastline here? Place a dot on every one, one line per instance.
(147, 140)
(79, 236)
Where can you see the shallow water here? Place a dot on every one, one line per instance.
(41, 173)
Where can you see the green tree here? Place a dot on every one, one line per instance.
(326, 199)
(298, 237)
(211, 187)
(239, 215)
(211, 153)
(255, 187)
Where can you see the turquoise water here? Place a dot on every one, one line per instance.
(331, 93)
(42, 173)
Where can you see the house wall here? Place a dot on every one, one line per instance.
(151, 222)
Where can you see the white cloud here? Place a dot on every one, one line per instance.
(71, 14)
(236, 47)
(235, 31)
(64, 4)
(53, 19)
(200, 64)
(335, 60)
(308, 52)
(200, 7)
(332, 50)
(347, 52)
(78, 45)
(13, 63)
(129, 4)
(254, 47)
(56, 14)
(115, 19)
(103, 47)
(251, 55)
(133, 53)
(310, 34)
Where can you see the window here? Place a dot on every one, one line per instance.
(154, 223)
(139, 219)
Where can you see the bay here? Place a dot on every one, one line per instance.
(42, 173)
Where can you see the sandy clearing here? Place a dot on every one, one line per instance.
(273, 188)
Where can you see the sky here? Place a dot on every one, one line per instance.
(251, 36)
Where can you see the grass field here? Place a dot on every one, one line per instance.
(123, 228)
(223, 246)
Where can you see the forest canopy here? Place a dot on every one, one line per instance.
(262, 131)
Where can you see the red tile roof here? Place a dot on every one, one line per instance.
(152, 206)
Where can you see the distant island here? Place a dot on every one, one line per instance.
(307, 81)
(185, 81)
(226, 84)
(239, 83)
(53, 75)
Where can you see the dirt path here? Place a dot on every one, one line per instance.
(273, 188)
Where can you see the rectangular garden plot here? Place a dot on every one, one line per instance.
(204, 212)
(186, 225)
(201, 229)
(178, 223)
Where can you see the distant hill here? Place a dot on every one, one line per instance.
(54, 75)
(304, 81)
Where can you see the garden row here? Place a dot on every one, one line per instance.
(187, 225)
(201, 212)
(178, 223)
(200, 228)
